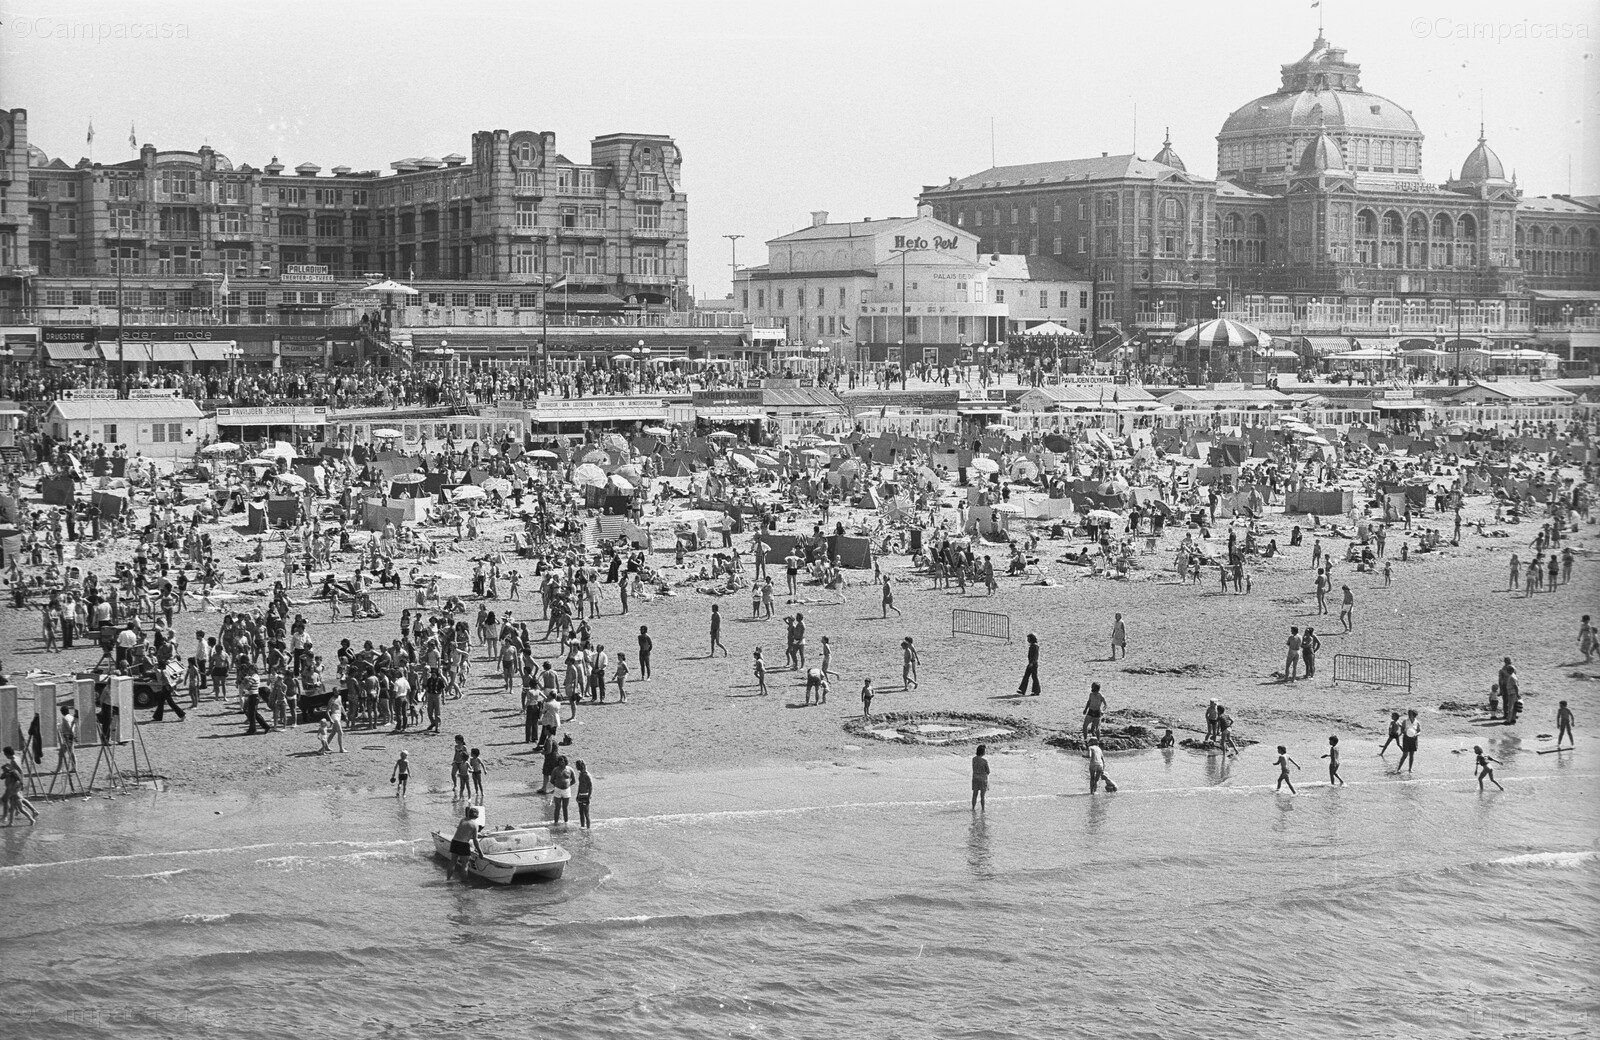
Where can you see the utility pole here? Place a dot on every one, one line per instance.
(122, 356)
(733, 241)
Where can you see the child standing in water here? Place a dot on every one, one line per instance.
(1484, 772)
(401, 774)
(585, 792)
(866, 698)
(1333, 762)
(476, 768)
(1283, 763)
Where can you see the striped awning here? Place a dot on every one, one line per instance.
(1222, 334)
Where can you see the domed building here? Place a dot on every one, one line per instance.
(1261, 142)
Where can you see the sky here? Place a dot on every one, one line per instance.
(784, 108)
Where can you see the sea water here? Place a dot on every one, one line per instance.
(854, 898)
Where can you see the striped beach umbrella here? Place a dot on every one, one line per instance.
(1223, 334)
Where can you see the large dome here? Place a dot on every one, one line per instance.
(1311, 109)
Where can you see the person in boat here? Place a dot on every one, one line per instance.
(465, 843)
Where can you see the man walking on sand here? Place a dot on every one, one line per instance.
(1031, 672)
(716, 633)
(1119, 638)
(1347, 609)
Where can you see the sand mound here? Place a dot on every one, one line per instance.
(940, 728)
(1112, 738)
(1189, 670)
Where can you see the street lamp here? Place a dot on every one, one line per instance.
(904, 321)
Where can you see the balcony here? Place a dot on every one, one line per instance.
(653, 233)
(647, 195)
(166, 235)
(1156, 319)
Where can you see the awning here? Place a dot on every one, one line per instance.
(135, 353)
(140, 353)
(1578, 295)
(1380, 343)
(215, 350)
(1400, 406)
(1326, 344)
(730, 413)
(71, 352)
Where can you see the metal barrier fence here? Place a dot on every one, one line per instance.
(1378, 671)
(980, 623)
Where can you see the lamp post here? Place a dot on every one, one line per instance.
(904, 321)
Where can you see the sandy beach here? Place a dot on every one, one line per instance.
(1447, 613)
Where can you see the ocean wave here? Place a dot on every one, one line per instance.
(26, 868)
(160, 875)
(204, 918)
(300, 862)
(1557, 860)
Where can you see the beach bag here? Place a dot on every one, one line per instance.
(1111, 787)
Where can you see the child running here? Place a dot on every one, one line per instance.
(1283, 763)
(1333, 762)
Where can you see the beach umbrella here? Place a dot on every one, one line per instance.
(1318, 439)
(1017, 435)
(294, 480)
(589, 475)
(925, 472)
(467, 493)
(1022, 469)
(614, 442)
(829, 444)
(598, 457)
(816, 453)
(849, 468)
(220, 448)
(744, 462)
(1103, 514)
(388, 286)
(657, 431)
(630, 471)
(984, 464)
(387, 433)
(280, 450)
(724, 435)
(998, 427)
(542, 453)
(1007, 507)
(810, 438)
(621, 483)
(493, 484)
(1222, 334)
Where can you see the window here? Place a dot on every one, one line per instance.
(119, 189)
(564, 181)
(482, 299)
(841, 296)
(1083, 244)
(55, 297)
(178, 184)
(1044, 299)
(1055, 245)
(1033, 214)
(527, 299)
(80, 297)
(291, 226)
(1083, 300)
(822, 297)
(648, 261)
(649, 216)
(569, 260)
(591, 260)
(330, 227)
(591, 217)
(106, 297)
(977, 218)
(761, 299)
(358, 197)
(999, 296)
(110, 433)
(291, 196)
(1013, 214)
(744, 299)
(649, 182)
(69, 217)
(527, 217)
(569, 216)
(158, 432)
(408, 223)
(585, 182)
(524, 260)
(1055, 211)
(780, 299)
(1064, 297)
(1168, 244)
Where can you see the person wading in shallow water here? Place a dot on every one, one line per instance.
(980, 779)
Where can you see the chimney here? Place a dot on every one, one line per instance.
(819, 217)
(1104, 154)
(924, 209)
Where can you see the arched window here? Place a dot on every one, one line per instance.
(1536, 237)
(1393, 227)
(523, 151)
(1466, 227)
(1235, 225)
(1367, 223)
(1258, 224)
(1593, 238)
(1169, 209)
(1574, 240)
(1443, 226)
(1418, 227)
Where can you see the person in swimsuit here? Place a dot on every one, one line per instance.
(1394, 732)
(1564, 721)
(909, 660)
(1410, 732)
(1333, 762)
(1092, 711)
(1484, 771)
(465, 843)
(400, 775)
(1283, 763)
(585, 793)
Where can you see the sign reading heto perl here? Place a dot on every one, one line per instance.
(936, 242)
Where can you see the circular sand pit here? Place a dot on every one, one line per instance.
(940, 728)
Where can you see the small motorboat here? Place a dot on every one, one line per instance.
(511, 854)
